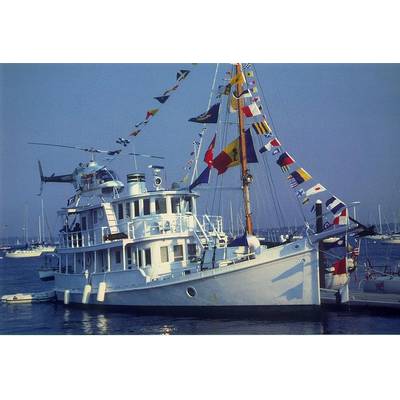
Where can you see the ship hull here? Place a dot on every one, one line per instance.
(284, 276)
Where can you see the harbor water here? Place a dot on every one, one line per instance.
(21, 275)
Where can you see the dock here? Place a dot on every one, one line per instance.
(366, 300)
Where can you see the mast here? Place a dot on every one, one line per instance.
(246, 177)
(43, 231)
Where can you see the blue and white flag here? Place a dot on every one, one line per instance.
(334, 205)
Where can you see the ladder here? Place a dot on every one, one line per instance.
(110, 216)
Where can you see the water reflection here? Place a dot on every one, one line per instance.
(102, 324)
(167, 330)
(87, 323)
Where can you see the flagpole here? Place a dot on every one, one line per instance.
(196, 159)
(246, 177)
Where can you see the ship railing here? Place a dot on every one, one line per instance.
(135, 230)
(161, 225)
(202, 238)
(213, 223)
(92, 237)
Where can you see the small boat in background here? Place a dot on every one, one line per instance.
(381, 279)
(391, 239)
(34, 251)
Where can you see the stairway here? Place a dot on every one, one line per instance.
(111, 218)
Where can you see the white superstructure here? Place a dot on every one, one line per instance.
(150, 248)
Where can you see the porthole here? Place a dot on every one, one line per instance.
(191, 291)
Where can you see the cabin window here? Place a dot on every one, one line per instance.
(188, 204)
(117, 256)
(136, 212)
(164, 254)
(129, 255)
(175, 205)
(84, 225)
(128, 210)
(178, 252)
(192, 251)
(139, 258)
(94, 217)
(161, 206)
(146, 206)
(120, 211)
(147, 256)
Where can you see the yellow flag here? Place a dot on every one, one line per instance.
(239, 78)
(232, 150)
(233, 107)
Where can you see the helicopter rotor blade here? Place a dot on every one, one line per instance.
(146, 155)
(87, 149)
(54, 145)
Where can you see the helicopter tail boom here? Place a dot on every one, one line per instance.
(68, 178)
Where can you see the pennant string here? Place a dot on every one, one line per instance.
(182, 74)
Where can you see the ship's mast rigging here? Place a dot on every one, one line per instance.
(245, 175)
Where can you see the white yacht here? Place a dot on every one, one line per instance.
(150, 248)
(34, 251)
(145, 246)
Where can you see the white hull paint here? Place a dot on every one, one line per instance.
(283, 276)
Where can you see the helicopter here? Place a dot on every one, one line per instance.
(88, 179)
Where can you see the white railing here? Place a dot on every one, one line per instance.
(135, 230)
(213, 223)
(92, 237)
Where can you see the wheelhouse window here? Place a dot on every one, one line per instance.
(164, 254)
(120, 211)
(84, 224)
(136, 212)
(147, 256)
(129, 255)
(146, 206)
(94, 217)
(161, 206)
(178, 252)
(176, 205)
(188, 204)
(192, 251)
(128, 210)
(105, 175)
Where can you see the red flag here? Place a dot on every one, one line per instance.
(340, 267)
(209, 156)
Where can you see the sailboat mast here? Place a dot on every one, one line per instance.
(243, 155)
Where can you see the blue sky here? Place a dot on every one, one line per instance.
(340, 121)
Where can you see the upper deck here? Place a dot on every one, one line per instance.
(137, 217)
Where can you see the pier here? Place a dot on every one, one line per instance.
(366, 300)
